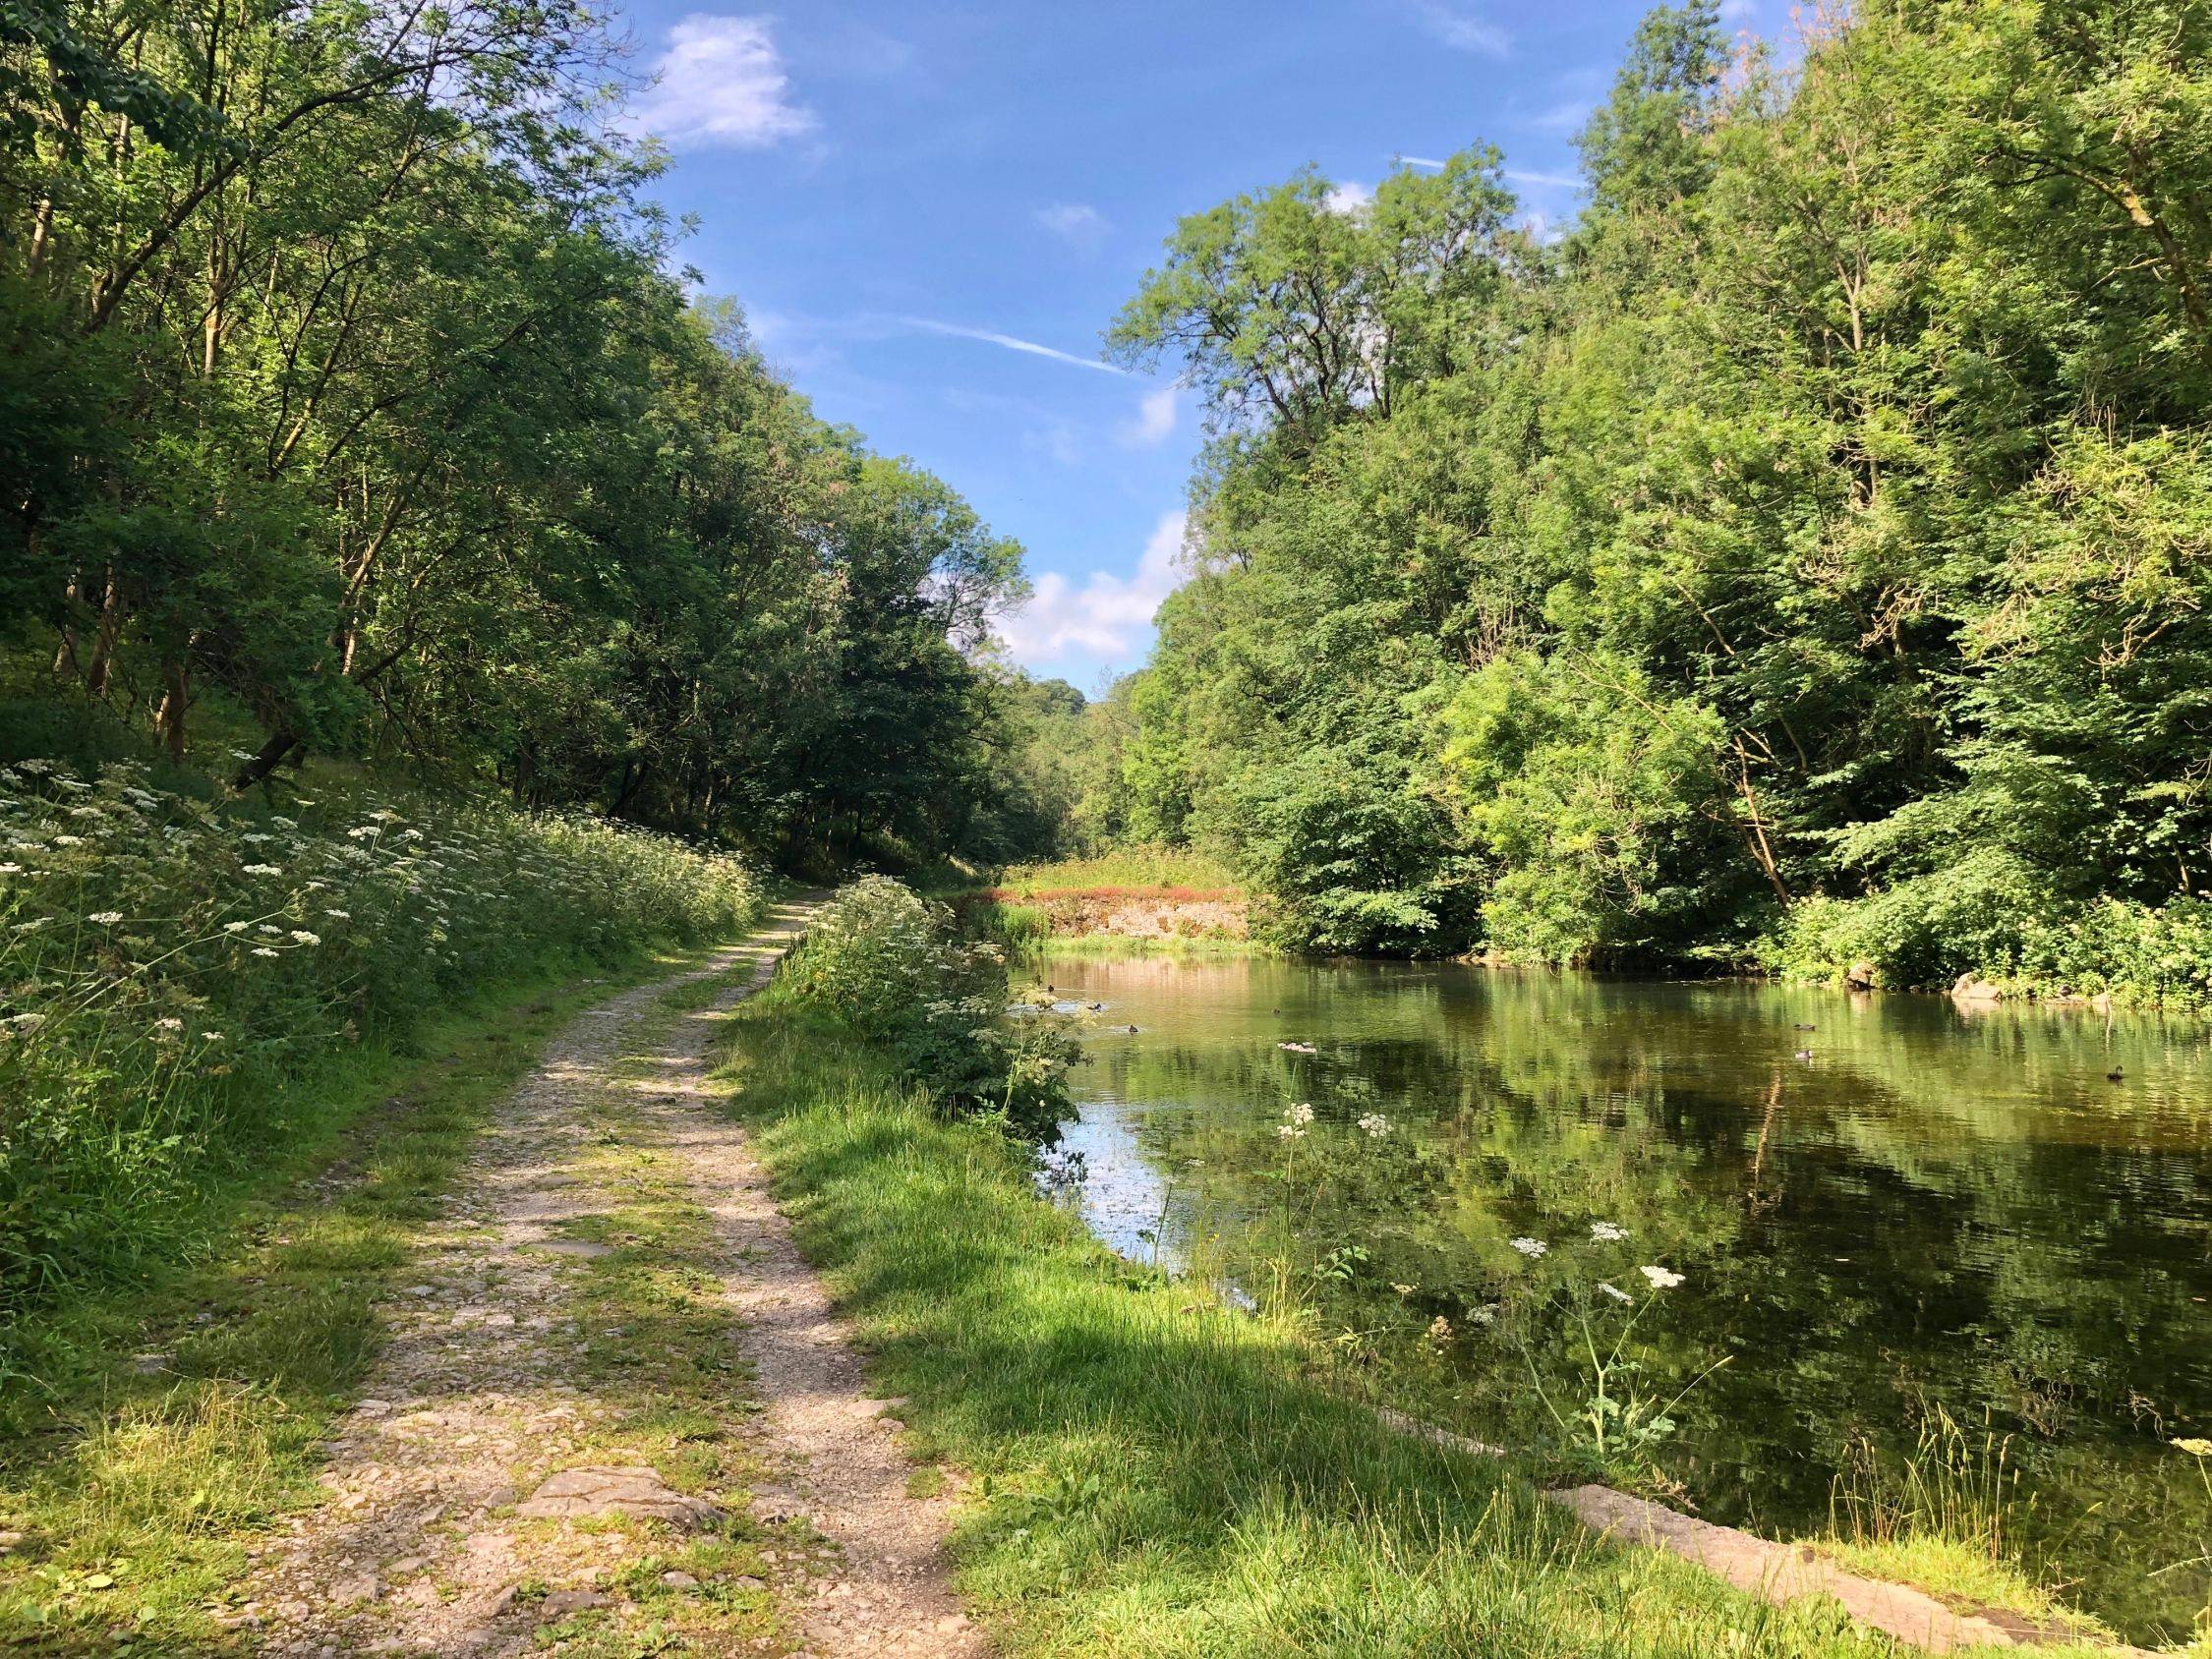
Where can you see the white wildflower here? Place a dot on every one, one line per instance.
(242, 753)
(263, 950)
(168, 1025)
(11, 869)
(1663, 1279)
(35, 767)
(269, 929)
(210, 1036)
(1374, 1123)
(68, 841)
(105, 918)
(262, 870)
(234, 927)
(1439, 1330)
(1300, 1114)
(342, 915)
(1530, 1247)
(1607, 1232)
(1616, 1292)
(300, 936)
(1486, 1314)
(33, 925)
(27, 1022)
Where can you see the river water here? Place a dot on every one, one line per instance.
(1940, 1256)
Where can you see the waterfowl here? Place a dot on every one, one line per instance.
(1804, 1053)
(2113, 1075)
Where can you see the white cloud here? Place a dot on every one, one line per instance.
(722, 84)
(1546, 181)
(1460, 31)
(1562, 117)
(1075, 223)
(1434, 166)
(1154, 422)
(1348, 196)
(991, 336)
(1103, 617)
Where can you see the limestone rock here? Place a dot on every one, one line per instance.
(595, 1490)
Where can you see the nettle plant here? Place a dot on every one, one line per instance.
(894, 967)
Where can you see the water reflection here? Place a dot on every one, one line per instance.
(1883, 1205)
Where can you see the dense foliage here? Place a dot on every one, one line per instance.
(894, 968)
(1805, 558)
(171, 968)
(343, 378)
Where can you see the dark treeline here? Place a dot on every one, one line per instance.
(344, 385)
(1802, 560)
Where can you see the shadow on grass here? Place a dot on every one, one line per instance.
(1150, 1471)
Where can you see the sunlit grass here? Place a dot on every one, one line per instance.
(1131, 867)
(1148, 1473)
(152, 1436)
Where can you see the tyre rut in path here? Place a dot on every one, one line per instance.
(475, 1503)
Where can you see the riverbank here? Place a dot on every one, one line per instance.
(1131, 900)
(1146, 1470)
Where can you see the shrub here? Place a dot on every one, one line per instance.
(168, 967)
(1996, 916)
(893, 967)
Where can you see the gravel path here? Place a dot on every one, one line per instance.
(481, 1502)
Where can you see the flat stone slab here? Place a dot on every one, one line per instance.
(602, 1490)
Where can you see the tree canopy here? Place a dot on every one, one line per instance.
(1805, 556)
(346, 375)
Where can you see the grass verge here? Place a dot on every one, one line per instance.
(149, 1436)
(1150, 1472)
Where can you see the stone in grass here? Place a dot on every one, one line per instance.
(598, 1490)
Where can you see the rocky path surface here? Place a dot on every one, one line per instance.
(615, 1413)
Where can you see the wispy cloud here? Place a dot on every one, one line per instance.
(1428, 162)
(1546, 181)
(720, 83)
(1562, 117)
(1013, 343)
(1102, 617)
(1461, 30)
(1155, 420)
(1075, 223)
(1735, 11)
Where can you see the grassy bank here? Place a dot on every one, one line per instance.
(179, 966)
(150, 1435)
(1150, 1472)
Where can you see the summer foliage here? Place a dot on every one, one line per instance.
(1804, 559)
(347, 377)
(170, 967)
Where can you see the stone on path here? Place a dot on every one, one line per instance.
(635, 1491)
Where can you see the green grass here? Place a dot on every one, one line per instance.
(1148, 1473)
(138, 1488)
(1123, 867)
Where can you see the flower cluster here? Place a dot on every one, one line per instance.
(1296, 1121)
(165, 962)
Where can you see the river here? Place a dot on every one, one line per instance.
(1943, 1257)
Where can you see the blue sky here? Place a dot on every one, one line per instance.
(930, 212)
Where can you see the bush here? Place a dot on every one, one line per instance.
(168, 967)
(1996, 916)
(893, 967)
